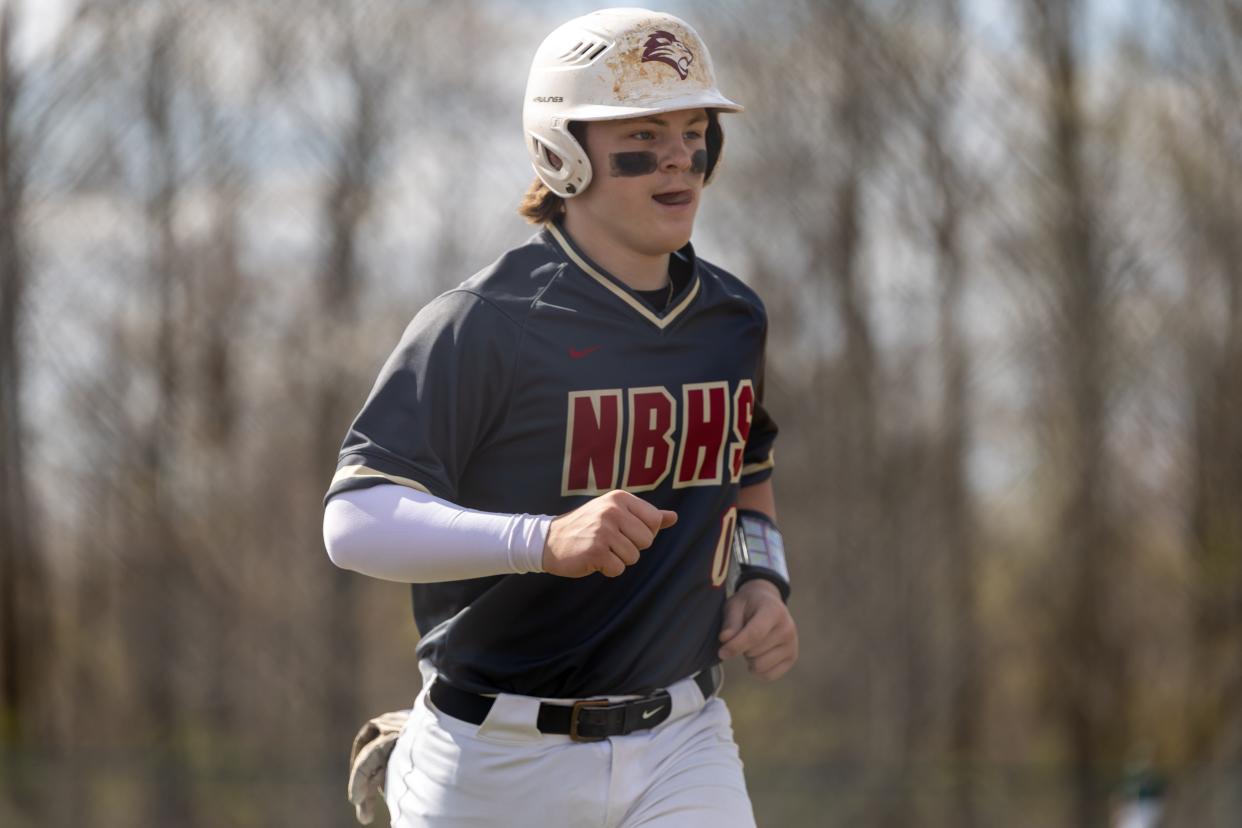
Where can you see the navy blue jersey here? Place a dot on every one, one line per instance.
(538, 384)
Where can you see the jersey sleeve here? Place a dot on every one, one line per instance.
(758, 458)
(438, 395)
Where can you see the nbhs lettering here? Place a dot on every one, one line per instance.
(695, 437)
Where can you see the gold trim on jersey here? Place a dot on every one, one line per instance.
(350, 472)
(761, 465)
(660, 322)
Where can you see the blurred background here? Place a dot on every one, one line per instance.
(1001, 248)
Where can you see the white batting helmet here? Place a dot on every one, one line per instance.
(608, 65)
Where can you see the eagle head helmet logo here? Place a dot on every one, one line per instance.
(664, 47)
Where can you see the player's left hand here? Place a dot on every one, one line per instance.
(757, 624)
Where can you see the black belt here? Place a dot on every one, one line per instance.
(588, 720)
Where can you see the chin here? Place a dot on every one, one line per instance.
(658, 245)
(670, 239)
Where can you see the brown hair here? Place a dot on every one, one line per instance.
(540, 205)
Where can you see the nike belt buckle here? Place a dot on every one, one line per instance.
(573, 720)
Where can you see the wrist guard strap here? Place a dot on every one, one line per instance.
(759, 551)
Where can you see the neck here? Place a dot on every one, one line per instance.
(638, 270)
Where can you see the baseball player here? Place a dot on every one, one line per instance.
(566, 456)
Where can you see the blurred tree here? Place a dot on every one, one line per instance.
(367, 46)
(1084, 664)
(1206, 166)
(934, 78)
(156, 547)
(219, 303)
(25, 650)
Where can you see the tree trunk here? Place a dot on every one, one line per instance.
(156, 605)
(25, 647)
(1086, 683)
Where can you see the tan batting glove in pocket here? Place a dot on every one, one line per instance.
(368, 761)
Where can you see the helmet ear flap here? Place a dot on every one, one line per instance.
(715, 143)
(560, 159)
(577, 129)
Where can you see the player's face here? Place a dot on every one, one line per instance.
(647, 178)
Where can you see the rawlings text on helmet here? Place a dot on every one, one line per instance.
(666, 48)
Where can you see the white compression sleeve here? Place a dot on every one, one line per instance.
(401, 534)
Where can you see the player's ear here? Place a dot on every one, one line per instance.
(554, 159)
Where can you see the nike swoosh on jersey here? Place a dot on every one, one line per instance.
(576, 354)
(647, 714)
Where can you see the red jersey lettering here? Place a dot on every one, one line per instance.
(704, 423)
(649, 452)
(743, 413)
(592, 442)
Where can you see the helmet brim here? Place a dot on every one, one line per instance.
(603, 112)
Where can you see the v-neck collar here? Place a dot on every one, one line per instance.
(619, 289)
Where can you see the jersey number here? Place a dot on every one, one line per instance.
(720, 562)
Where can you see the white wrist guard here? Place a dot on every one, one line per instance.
(759, 551)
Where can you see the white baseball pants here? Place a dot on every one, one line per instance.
(683, 773)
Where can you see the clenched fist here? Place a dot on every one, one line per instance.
(603, 535)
